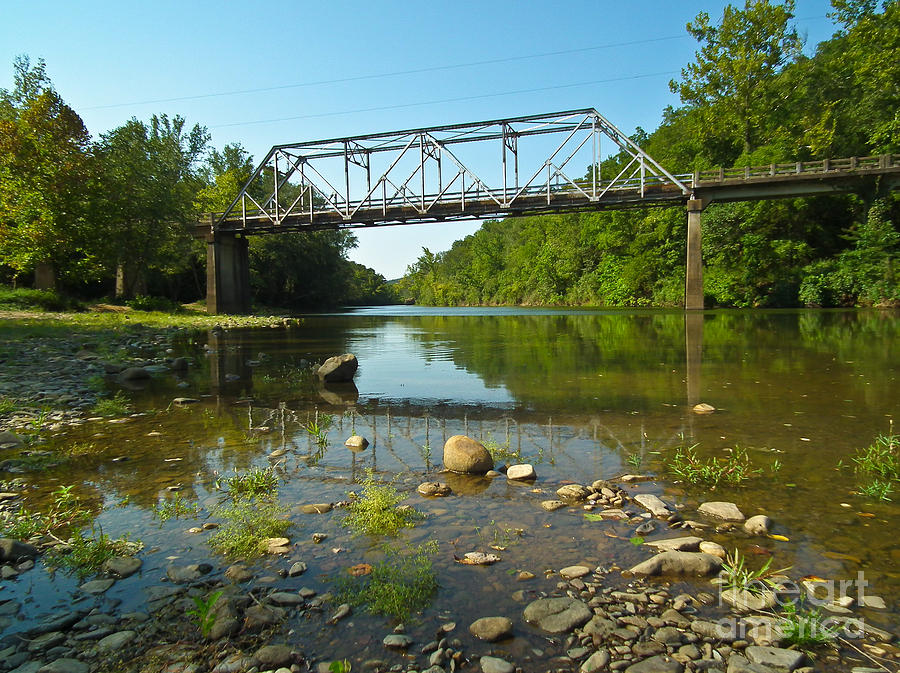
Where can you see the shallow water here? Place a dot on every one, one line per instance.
(582, 395)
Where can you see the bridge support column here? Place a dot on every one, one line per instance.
(227, 274)
(693, 275)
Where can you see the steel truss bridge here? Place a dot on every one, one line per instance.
(524, 165)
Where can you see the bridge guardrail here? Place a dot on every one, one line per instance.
(818, 167)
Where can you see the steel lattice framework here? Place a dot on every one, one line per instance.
(532, 164)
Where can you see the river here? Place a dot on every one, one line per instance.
(580, 394)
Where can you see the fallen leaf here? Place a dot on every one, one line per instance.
(868, 515)
(759, 551)
(593, 517)
(780, 538)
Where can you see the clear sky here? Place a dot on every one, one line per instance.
(284, 71)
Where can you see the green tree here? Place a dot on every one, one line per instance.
(732, 76)
(151, 175)
(46, 179)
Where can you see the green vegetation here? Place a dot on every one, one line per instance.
(376, 512)
(202, 613)
(66, 511)
(732, 469)
(117, 405)
(822, 251)
(737, 575)
(255, 482)
(85, 556)
(248, 524)
(176, 508)
(806, 629)
(502, 452)
(318, 428)
(400, 585)
(878, 466)
(20, 299)
(340, 666)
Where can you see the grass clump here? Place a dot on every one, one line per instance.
(403, 583)
(737, 575)
(878, 466)
(318, 428)
(117, 405)
(806, 629)
(248, 525)
(376, 510)
(733, 469)
(176, 508)
(66, 511)
(255, 482)
(25, 299)
(85, 556)
(502, 453)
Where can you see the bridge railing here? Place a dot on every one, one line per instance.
(823, 166)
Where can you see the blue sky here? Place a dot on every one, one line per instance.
(308, 71)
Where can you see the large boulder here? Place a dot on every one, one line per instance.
(679, 563)
(722, 510)
(12, 550)
(558, 615)
(338, 368)
(464, 454)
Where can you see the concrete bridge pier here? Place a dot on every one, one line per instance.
(227, 273)
(693, 276)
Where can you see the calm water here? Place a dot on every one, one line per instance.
(582, 395)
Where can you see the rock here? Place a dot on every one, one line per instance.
(775, 657)
(297, 568)
(356, 443)
(180, 364)
(97, 586)
(722, 510)
(238, 573)
(713, 548)
(739, 664)
(653, 504)
(703, 408)
(521, 472)
(224, 626)
(464, 454)
(318, 508)
(188, 573)
(495, 665)
(277, 545)
(122, 566)
(746, 601)
(434, 489)
(10, 440)
(689, 543)
(668, 635)
(65, 665)
(116, 641)
(572, 572)
(598, 628)
(28, 667)
(679, 563)
(13, 550)
(46, 640)
(573, 493)
(557, 615)
(758, 525)
(273, 656)
(491, 629)
(342, 611)
(185, 400)
(338, 368)
(874, 602)
(724, 630)
(597, 661)
(552, 505)
(285, 598)
(658, 664)
(258, 616)
(397, 641)
(134, 374)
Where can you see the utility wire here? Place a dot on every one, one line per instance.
(445, 100)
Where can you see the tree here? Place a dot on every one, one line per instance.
(152, 173)
(733, 73)
(46, 178)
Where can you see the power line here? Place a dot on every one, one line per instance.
(445, 100)
(397, 73)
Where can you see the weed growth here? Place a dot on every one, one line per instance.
(202, 612)
(176, 508)
(806, 629)
(502, 453)
(318, 427)
(248, 524)
(66, 511)
(117, 405)
(877, 466)
(255, 482)
(733, 469)
(85, 556)
(401, 584)
(737, 575)
(375, 511)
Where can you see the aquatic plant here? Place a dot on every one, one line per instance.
(403, 583)
(85, 555)
(877, 489)
(634, 460)
(502, 452)
(66, 511)
(738, 576)
(202, 612)
(176, 508)
(806, 629)
(340, 666)
(255, 482)
(117, 405)
(375, 510)
(733, 469)
(878, 466)
(248, 525)
(7, 405)
(318, 427)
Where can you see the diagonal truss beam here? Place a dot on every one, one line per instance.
(489, 168)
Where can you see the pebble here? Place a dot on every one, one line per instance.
(495, 665)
